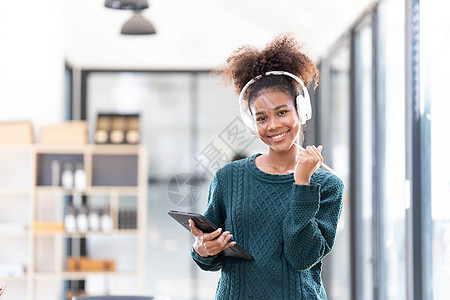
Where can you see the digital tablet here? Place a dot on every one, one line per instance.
(207, 226)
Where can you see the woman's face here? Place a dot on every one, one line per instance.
(276, 119)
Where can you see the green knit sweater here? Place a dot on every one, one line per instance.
(288, 229)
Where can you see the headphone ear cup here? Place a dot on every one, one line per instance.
(248, 120)
(253, 129)
(301, 109)
(304, 109)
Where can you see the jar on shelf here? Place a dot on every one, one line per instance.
(56, 172)
(79, 178)
(70, 223)
(106, 221)
(67, 176)
(94, 219)
(82, 219)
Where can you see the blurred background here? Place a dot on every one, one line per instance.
(119, 94)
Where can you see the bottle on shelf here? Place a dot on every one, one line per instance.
(70, 223)
(106, 221)
(67, 176)
(82, 220)
(118, 129)
(56, 172)
(102, 132)
(132, 135)
(94, 219)
(79, 178)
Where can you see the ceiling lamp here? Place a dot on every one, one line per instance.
(137, 24)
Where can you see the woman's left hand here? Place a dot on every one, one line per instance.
(308, 161)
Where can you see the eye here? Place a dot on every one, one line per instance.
(261, 119)
(282, 112)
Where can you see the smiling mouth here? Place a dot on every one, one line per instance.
(278, 136)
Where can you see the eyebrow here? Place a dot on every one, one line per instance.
(275, 109)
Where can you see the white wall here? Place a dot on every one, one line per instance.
(31, 61)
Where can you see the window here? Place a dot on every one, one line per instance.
(365, 156)
(391, 113)
(334, 135)
(434, 79)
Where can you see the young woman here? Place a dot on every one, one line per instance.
(279, 206)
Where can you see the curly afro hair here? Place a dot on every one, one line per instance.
(282, 54)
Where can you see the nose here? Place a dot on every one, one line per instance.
(274, 123)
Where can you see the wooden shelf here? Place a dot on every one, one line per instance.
(113, 233)
(95, 190)
(94, 149)
(16, 191)
(16, 147)
(14, 278)
(114, 149)
(41, 204)
(82, 275)
(60, 149)
(22, 234)
(72, 149)
(121, 190)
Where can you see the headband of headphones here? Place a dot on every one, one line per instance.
(303, 102)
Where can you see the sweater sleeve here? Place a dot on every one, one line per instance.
(309, 228)
(216, 214)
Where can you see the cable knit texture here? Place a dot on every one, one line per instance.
(288, 229)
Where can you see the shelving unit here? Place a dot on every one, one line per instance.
(115, 174)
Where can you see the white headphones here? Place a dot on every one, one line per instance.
(304, 109)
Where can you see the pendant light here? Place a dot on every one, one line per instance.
(137, 24)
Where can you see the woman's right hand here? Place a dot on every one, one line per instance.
(210, 244)
(2, 288)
